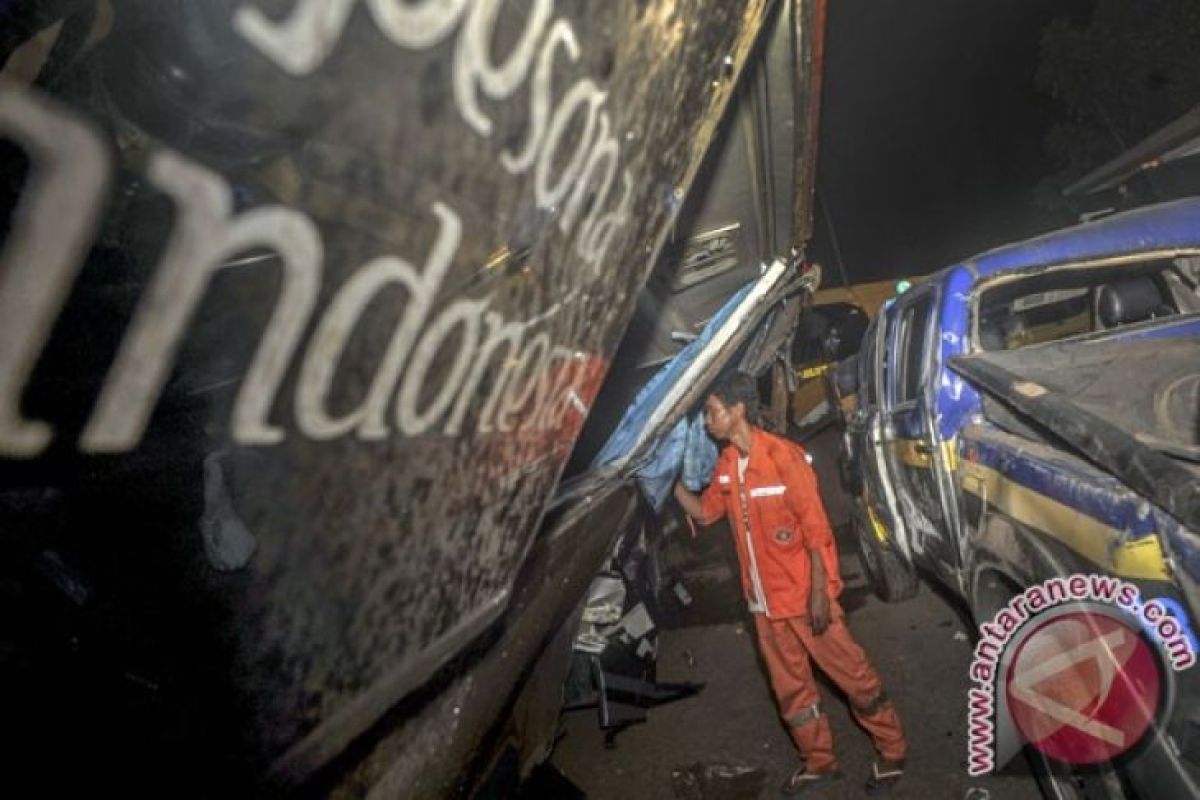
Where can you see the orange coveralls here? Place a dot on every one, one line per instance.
(777, 518)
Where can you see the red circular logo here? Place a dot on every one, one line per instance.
(1084, 687)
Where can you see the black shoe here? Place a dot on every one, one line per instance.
(884, 775)
(802, 780)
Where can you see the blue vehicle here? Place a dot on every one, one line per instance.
(1034, 412)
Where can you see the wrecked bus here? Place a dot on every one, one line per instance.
(303, 307)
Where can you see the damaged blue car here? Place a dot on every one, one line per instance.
(1034, 412)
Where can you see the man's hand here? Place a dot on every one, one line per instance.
(818, 610)
(690, 503)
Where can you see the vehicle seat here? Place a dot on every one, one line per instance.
(1131, 300)
(992, 338)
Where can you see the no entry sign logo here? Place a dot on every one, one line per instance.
(1080, 667)
(1084, 687)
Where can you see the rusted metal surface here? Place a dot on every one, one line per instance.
(778, 406)
(445, 748)
(810, 20)
(304, 303)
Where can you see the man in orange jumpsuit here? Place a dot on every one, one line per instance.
(789, 566)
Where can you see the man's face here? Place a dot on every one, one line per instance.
(720, 418)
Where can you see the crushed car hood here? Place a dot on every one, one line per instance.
(1127, 403)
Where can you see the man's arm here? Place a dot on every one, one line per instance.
(818, 599)
(706, 508)
(689, 500)
(804, 498)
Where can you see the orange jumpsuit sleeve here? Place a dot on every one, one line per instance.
(712, 503)
(804, 499)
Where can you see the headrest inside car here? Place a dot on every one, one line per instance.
(1131, 300)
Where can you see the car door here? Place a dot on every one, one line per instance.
(875, 483)
(912, 448)
(856, 439)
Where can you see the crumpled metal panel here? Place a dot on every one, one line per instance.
(1080, 391)
(303, 306)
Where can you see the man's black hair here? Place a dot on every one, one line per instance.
(738, 388)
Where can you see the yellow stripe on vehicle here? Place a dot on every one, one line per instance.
(910, 453)
(1090, 538)
(950, 452)
(877, 526)
(812, 372)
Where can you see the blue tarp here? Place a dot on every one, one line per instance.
(699, 456)
(658, 475)
(687, 449)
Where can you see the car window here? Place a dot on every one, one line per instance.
(1062, 303)
(866, 368)
(914, 326)
(886, 391)
(1037, 317)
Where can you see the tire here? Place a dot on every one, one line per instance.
(891, 578)
(1058, 782)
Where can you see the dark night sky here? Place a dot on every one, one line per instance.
(931, 131)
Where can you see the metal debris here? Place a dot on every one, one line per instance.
(718, 782)
(682, 593)
(605, 600)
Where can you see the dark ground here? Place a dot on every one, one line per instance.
(917, 646)
(920, 647)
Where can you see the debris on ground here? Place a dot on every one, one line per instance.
(718, 782)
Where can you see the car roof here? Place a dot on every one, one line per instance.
(1160, 227)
